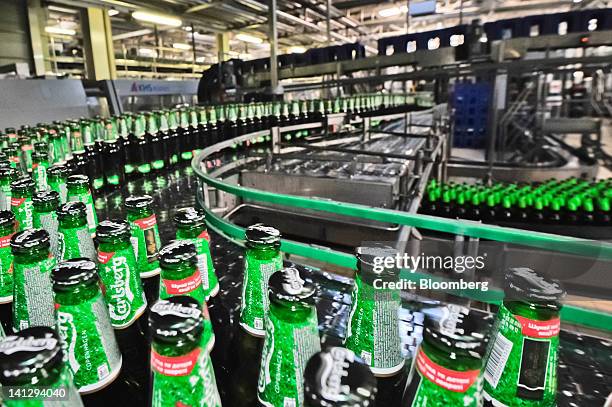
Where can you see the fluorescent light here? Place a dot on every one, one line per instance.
(187, 28)
(157, 18)
(112, 12)
(297, 50)
(62, 9)
(390, 12)
(60, 31)
(147, 52)
(248, 38)
(200, 60)
(181, 45)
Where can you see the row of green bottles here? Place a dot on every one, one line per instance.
(108, 150)
(571, 201)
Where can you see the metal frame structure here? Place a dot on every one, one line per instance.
(212, 183)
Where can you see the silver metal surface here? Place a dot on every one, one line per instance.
(41, 100)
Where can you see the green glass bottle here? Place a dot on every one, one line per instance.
(336, 377)
(146, 241)
(22, 190)
(7, 176)
(78, 191)
(40, 163)
(124, 293)
(292, 337)
(57, 177)
(447, 368)
(7, 229)
(191, 225)
(521, 367)
(34, 358)
(84, 325)
(183, 374)
(45, 217)
(262, 258)
(32, 292)
(74, 238)
(180, 276)
(372, 331)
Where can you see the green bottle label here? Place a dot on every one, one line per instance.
(123, 289)
(286, 350)
(48, 221)
(33, 294)
(254, 305)
(146, 243)
(186, 380)
(433, 384)
(521, 367)
(39, 175)
(372, 331)
(89, 343)
(76, 242)
(92, 216)
(6, 270)
(23, 208)
(210, 283)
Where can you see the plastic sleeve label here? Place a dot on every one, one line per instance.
(539, 329)
(451, 380)
(175, 365)
(186, 285)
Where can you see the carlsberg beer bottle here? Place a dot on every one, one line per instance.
(292, 337)
(191, 225)
(22, 190)
(448, 363)
(74, 237)
(124, 294)
(180, 276)
(7, 229)
(7, 176)
(32, 292)
(32, 358)
(45, 217)
(183, 374)
(57, 176)
(521, 367)
(262, 258)
(84, 325)
(78, 191)
(146, 241)
(373, 327)
(336, 377)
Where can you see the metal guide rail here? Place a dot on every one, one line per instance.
(219, 189)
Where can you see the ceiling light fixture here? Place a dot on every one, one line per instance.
(112, 12)
(181, 45)
(159, 19)
(392, 11)
(297, 50)
(147, 52)
(60, 31)
(248, 38)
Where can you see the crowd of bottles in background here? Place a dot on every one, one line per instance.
(571, 202)
(110, 149)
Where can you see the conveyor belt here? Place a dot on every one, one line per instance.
(585, 361)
